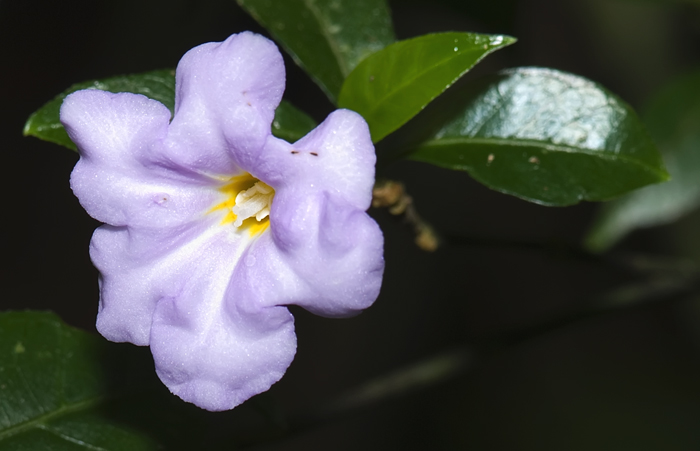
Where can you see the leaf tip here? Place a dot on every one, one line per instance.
(498, 41)
(27, 130)
(665, 176)
(507, 40)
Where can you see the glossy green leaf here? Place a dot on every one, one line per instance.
(547, 137)
(289, 124)
(50, 376)
(673, 119)
(327, 38)
(64, 389)
(44, 123)
(391, 86)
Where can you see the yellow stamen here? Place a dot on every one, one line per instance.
(246, 188)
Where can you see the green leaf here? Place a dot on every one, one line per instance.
(289, 124)
(51, 378)
(547, 137)
(327, 38)
(44, 123)
(391, 86)
(64, 389)
(673, 119)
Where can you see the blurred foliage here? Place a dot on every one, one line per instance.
(673, 118)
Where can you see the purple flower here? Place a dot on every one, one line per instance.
(213, 226)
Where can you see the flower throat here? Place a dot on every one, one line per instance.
(248, 202)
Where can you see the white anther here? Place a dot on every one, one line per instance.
(253, 202)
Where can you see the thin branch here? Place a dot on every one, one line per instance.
(458, 362)
(423, 374)
(392, 195)
(636, 263)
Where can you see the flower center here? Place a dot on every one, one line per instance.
(247, 203)
(254, 201)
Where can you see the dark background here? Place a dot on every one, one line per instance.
(545, 377)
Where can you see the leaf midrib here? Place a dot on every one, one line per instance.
(64, 410)
(443, 62)
(332, 44)
(547, 146)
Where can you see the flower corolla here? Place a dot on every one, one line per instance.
(212, 226)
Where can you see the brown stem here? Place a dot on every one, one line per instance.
(392, 195)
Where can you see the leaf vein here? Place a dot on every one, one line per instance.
(547, 146)
(324, 26)
(30, 390)
(70, 439)
(43, 419)
(378, 103)
(497, 106)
